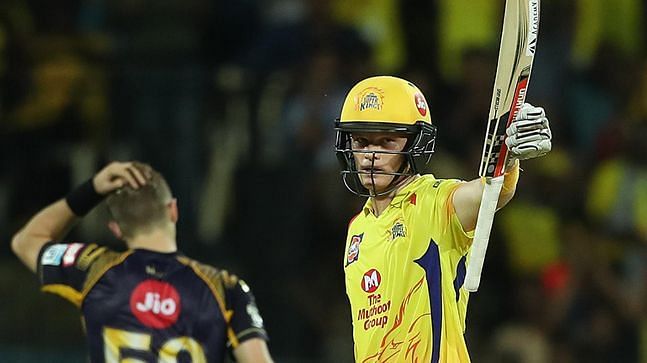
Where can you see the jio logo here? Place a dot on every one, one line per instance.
(371, 280)
(155, 304)
(421, 104)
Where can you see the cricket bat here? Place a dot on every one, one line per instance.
(516, 54)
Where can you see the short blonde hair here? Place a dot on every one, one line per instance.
(141, 210)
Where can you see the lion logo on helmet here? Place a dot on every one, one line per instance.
(371, 98)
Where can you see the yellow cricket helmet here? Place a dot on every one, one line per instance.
(385, 104)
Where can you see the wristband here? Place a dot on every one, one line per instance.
(83, 199)
(511, 178)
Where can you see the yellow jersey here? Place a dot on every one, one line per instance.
(404, 270)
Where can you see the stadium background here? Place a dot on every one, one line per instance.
(234, 100)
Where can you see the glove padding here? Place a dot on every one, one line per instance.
(529, 135)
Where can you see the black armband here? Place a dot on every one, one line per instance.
(83, 199)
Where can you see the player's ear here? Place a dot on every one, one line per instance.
(115, 229)
(173, 212)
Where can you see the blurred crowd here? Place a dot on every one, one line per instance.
(234, 102)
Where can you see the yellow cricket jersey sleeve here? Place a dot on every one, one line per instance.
(404, 270)
(444, 218)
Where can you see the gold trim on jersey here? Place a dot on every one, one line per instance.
(89, 254)
(109, 260)
(215, 281)
(98, 269)
(233, 339)
(67, 292)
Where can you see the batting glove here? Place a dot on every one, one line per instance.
(529, 135)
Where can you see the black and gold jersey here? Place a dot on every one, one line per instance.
(148, 306)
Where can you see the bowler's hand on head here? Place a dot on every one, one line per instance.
(119, 174)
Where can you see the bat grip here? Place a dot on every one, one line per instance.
(489, 201)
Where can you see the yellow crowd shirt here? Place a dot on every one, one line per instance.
(404, 270)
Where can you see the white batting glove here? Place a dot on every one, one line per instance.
(529, 135)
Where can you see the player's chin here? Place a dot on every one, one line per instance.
(377, 183)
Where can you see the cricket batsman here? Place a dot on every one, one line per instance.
(407, 249)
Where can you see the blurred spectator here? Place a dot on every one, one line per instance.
(159, 89)
(618, 190)
(590, 310)
(598, 100)
(464, 106)
(58, 106)
(523, 339)
(599, 22)
(380, 25)
(465, 24)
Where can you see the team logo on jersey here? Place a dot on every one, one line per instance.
(371, 280)
(398, 230)
(155, 304)
(371, 98)
(353, 249)
(421, 104)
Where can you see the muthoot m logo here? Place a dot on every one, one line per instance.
(371, 280)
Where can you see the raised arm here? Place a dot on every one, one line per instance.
(467, 197)
(50, 224)
(54, 221)
(528, 137)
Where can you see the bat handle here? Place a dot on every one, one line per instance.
(489, 200)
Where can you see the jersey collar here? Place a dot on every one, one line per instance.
(402, 195)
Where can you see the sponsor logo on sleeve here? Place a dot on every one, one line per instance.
(353, 248)
(156, 304)
(53, 255)
(70, 254)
